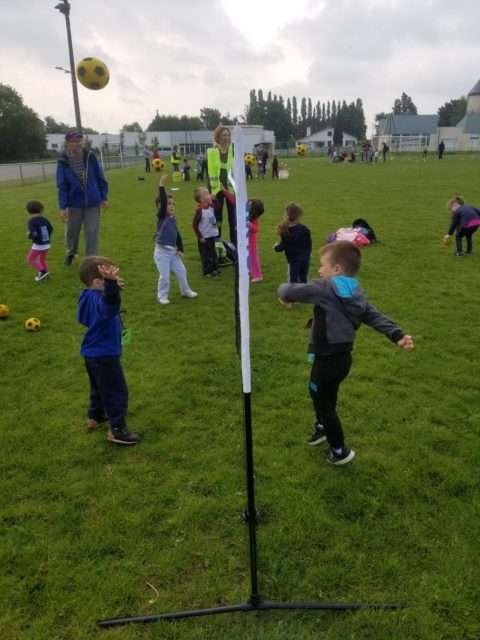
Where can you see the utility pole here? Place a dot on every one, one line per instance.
(64, 7)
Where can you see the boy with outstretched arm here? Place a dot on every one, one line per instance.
(340, 307)
(99, 311)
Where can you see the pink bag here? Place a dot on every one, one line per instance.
(350, 234)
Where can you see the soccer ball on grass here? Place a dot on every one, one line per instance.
(32, 324)
(93, 73)
(4, 311)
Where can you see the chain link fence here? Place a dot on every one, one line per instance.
(28, 172)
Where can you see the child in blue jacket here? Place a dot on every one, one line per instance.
(99, 311)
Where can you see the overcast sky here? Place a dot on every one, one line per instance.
(179, 56)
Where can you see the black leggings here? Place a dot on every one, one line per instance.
(465, 233)
(298, 270)
(325, 378)
(232, 216)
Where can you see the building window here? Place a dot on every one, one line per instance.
(329, 133)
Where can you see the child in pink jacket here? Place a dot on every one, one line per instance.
(255, 208)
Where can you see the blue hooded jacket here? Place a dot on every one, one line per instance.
(71, 192)
(99, 311)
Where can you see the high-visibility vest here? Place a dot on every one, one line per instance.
(174, 159)
(215, 165)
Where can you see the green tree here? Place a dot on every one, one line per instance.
(452, 112)
(404, 105)
(22, 132)
(210, 117)
(52, 126)
(174, 123)
(134, 127)
(294, 111)
(289, 109)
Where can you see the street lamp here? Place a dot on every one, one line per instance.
(64, 7)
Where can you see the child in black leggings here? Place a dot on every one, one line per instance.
(340, 307)
(465, 221)
(296, 241)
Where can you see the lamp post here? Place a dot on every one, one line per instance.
(64, 7)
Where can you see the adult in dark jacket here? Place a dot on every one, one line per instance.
(441, 150)
(82, 190)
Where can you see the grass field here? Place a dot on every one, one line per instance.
(86, 527)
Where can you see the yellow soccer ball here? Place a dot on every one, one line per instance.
(4, 311)
(250, 159)
(32, 324)
(158, 164)
(301, 149)
(93, 73)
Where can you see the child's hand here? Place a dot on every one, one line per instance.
(109, 271)
(63, 213)
(163, 179)
(406, 343)
(180, 253)
(285, 303)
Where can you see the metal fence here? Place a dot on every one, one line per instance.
(28, 172)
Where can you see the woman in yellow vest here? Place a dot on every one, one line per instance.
(175, 160)
(220, 167)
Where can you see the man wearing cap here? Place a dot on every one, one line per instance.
(82, 190)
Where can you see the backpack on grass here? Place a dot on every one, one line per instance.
(365, 228)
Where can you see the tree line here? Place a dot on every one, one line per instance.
(290, 119)
(23, 132)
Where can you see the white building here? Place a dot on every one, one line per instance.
(465, 136)
(407, 132)
(323, 140)
(187, 142)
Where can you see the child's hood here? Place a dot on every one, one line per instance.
(349, 292)
(87, 302)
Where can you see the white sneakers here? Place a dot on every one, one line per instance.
(190, 294)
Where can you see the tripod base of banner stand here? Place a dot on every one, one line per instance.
(256, 604)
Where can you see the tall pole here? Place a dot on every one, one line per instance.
(64, 7)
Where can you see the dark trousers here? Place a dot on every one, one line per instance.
(208, 255)
(147, 165)
(465, 233)
(298, 270)
(232, 216)
(325, 378)
(108, 391)
(274, 172)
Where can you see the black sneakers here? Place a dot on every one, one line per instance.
(41, 275)
(317, 436)
(68, 260)
(344, 457)
(123, 436)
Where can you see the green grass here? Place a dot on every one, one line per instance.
(85, 526)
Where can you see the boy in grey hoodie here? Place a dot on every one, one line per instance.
(340, 307)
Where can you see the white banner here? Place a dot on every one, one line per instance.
(243, 258)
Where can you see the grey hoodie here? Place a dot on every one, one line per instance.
(340, 307)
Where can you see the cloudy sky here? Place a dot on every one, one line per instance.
(178, 56)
